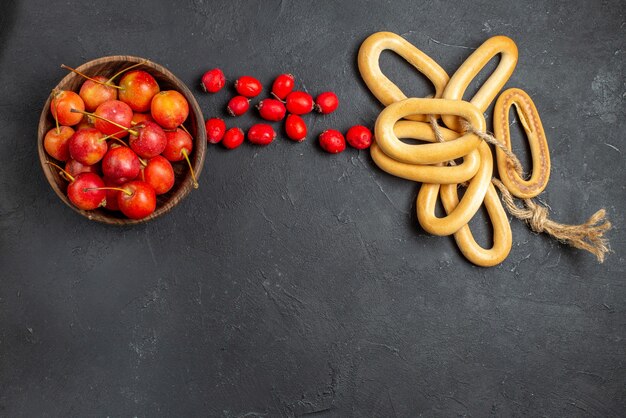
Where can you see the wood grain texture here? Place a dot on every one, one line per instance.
(107, 66)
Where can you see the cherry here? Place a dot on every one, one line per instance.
(179, 146)
(87, 146)
(159, 174)
(248, 86)
(112, 118)
(213, 80)
(140, 117)
(62, 105)
(282, 86)
(261, 134)
(326, 102)
(149, 141)
(238, 105)
(295, 128)
(137, 199)
(56, 142)
(271, 109)
(83, 190)
(332, 141)
(120, 164)
(137, 88)
(299, 102)
(233, 138)
(359, 137)
(169, 109)
(95, 90)
(74, 168)
(215, 129)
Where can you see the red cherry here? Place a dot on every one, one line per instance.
(261, 134)
(74, 168)
(62, 104)
(111, 194)
(215, 129)
(84, 191)
(295, 128)
(248, 86)
(326, 102)
(56, 142)
(87, 146)
(137, 199)
(359, 137)
(149, 141)
(95, 91)
(299, 102)
(213, 80)
(137, 88)
(233, 138)
(113, 118)
(120, 164)
(238, 105)
(179, 146)
(159, 174)
(169, 109)
(332, 141)
(271, 109)
(283, 85)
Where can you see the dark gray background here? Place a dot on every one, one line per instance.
(294, 282)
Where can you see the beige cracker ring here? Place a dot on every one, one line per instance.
(383, 88)
(502, 237)
(471, 67)
(426, 173)
(465, 210)
(427, 153)
(529, 118)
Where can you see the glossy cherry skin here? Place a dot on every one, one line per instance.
(79, 193)
(138, 88)
(138, 201)
(56, 143)
(120, 164)
(61, 106)
(159, 174)
(149, 141)
(115, 111)
(177, 141)
(94, 94)
(87, 146)
(169, 109)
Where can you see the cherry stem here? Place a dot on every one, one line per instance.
(124, 70)
(119, 189)
(56, 111)
(65, 173)
(185, 129)
(104, 138)
(143, 163)
(106, 120)
(104, 83)
(193, 176)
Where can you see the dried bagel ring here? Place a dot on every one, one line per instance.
(471, 67)
(421, 172)
(529, 118)
(383, 88)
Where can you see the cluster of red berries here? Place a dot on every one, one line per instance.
(102, 169)
(287, 104)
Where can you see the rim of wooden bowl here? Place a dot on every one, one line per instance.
(194, 123)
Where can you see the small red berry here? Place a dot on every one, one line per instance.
(295, 128)
(299, 102)
(283, 85)
(213, 80)
(238, 105)
(332, 141)
(233, 138)
(359, 137)
(248, 86)
(326, 102)
(215, 129)
(261, 134)
(271, 109)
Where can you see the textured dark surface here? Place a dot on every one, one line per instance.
(294, 282)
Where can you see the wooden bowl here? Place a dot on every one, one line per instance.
(107, 66)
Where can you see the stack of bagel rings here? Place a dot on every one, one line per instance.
(428, 161)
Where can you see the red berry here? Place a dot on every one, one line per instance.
(233, 138)
(213, 80)
(299, 102)
(261, 134)
(283, 85)
(332, 141)
(295, 128)
(215, 129)
(248, 86)
(238, 105)
(326, 102)
(359, 137)
(271, 109)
